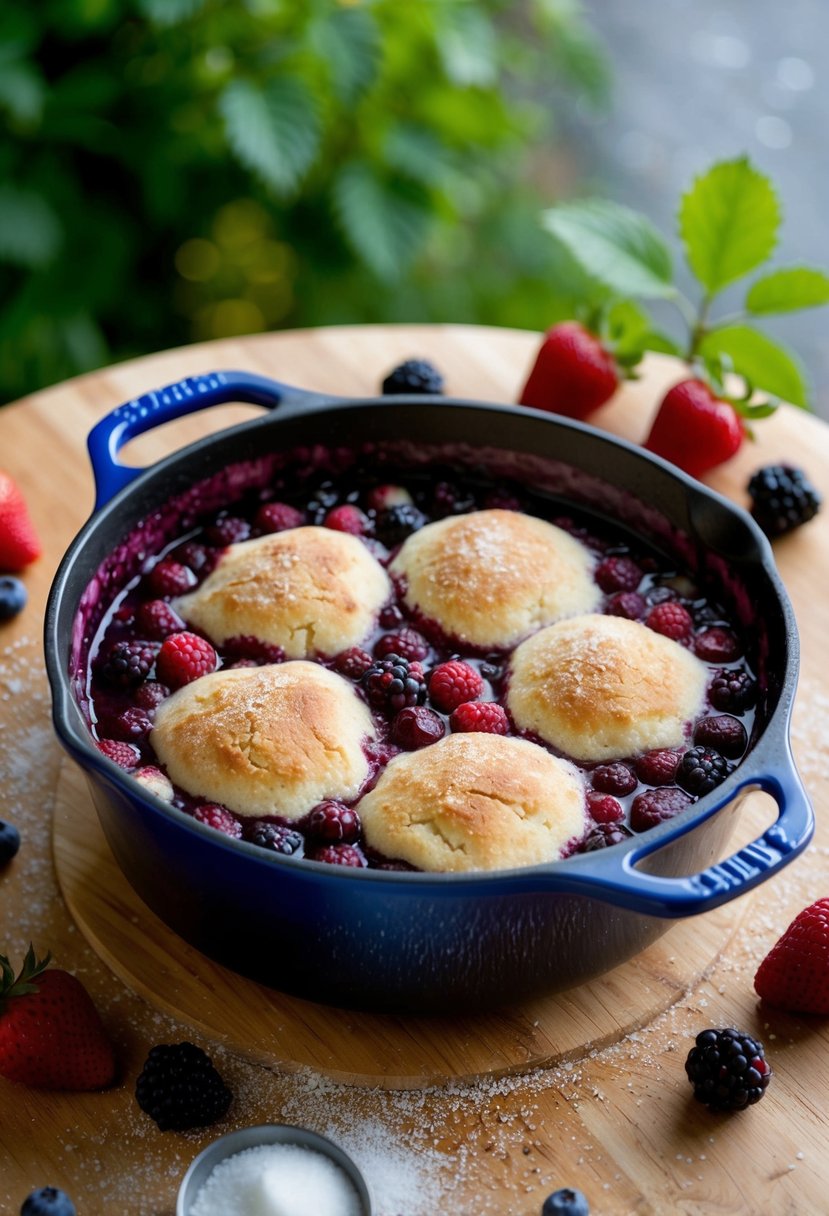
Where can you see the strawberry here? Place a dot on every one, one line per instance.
(794, 975)
(694, 429)
(19, 544)
(51, 1036)
(573, 373)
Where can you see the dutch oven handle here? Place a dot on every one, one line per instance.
(615, 878)
(164, 404)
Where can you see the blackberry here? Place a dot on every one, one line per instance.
(414, 376)
(180, 1088)
(566, 1202)
(728, 1069)
(48, 1201)
(603, 835)
(782, 498)
(393, 683)
(396, 523)
(275, 836)
(701, 770)
(734, 691)
(128, 664)
(9, 841)
(12, 597)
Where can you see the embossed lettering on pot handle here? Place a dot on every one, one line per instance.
(174, 401)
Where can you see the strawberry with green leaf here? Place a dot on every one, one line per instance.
(51, 1036)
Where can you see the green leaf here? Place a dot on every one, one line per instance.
(348, 43)
(416, 152)
(787, 291)
(273, 130)
(385, 222)
(468, 47)
(762, 362)
(170, 12)
(728, 221)
(30, 232)
(615, 245)
(22, 92)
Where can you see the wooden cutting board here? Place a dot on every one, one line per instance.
(611, 1114)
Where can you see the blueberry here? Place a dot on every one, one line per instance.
(9, 841)
(565, 1203)
(48, 1201)
(12, 597)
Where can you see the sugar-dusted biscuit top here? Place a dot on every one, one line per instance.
(272, 740)
(312, 591)
(597, 687)
(491, 577)
(474, 802)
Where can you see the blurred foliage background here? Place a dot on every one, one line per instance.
(177, 170)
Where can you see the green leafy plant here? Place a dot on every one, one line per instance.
(189, 169)
(729, 223)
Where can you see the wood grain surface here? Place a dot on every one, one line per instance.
(615, 1120)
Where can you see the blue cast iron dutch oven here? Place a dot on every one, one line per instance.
(417, 942)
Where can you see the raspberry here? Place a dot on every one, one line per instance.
(333, 822)
(199, 558)
(726, 734)
(340, 855)
(128, 664)
(278, 517)
(701, 770)
(220, 818)
(655, 806)
(171, 578)
(155, 782)
(453, 683)
(449, 499)
(134, 723)
(228, 530)
(391, 616)
(150, 695)
(728, 1069)
(502, 500)
(614, 778)
(246, 647)
(157, 620)
(782, 499)
(618, 574)
(414, 376)
(348, 518)
(381, 498)
(486, 716)
(276, 837)
(604, 808)
(735, 691)
(393, 683)
(658, 767)
(717, 645)
(671, 620)
(124, 754)
(396, 523)
(179, 1088)
(353, 663)
(603, 835)
(184, 657)
(416, 727)
(629, 604)
(408, 643)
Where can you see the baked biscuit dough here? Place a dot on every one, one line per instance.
(598, 687)
(272, 740)
(491, 577)
(474, 802)
(312, 591)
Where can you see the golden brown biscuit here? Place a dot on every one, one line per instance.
(312, 591)
(474, 802)
(492, 577)
(598, 687)
(272, 740)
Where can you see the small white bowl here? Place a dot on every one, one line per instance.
(253, 1137)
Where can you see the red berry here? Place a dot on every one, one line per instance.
(353, 663)
(124, 754)
(220, 818)
(794, 975)
(157, 620)
(618, 574)
(19, 544)
(484, 716)
(199, 558)
(657, 767)
(408, 643)
(150, 695)
(339, 855)
(652, 807)
(453, 683)
(228, 530)
(671, 620)
(184, 657)
(333, 822)
(604, 808)
(348, 518)
(278, 517)
(726, 734)
(416, 727)
(614, 778)
(629, 604)
(381, 498)
(573, 374)
(390, 617)
(717, 645)
(250, 648)
(603, 836)
(134, 723)
(693, 429)
(155, 782)
(171, 578)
